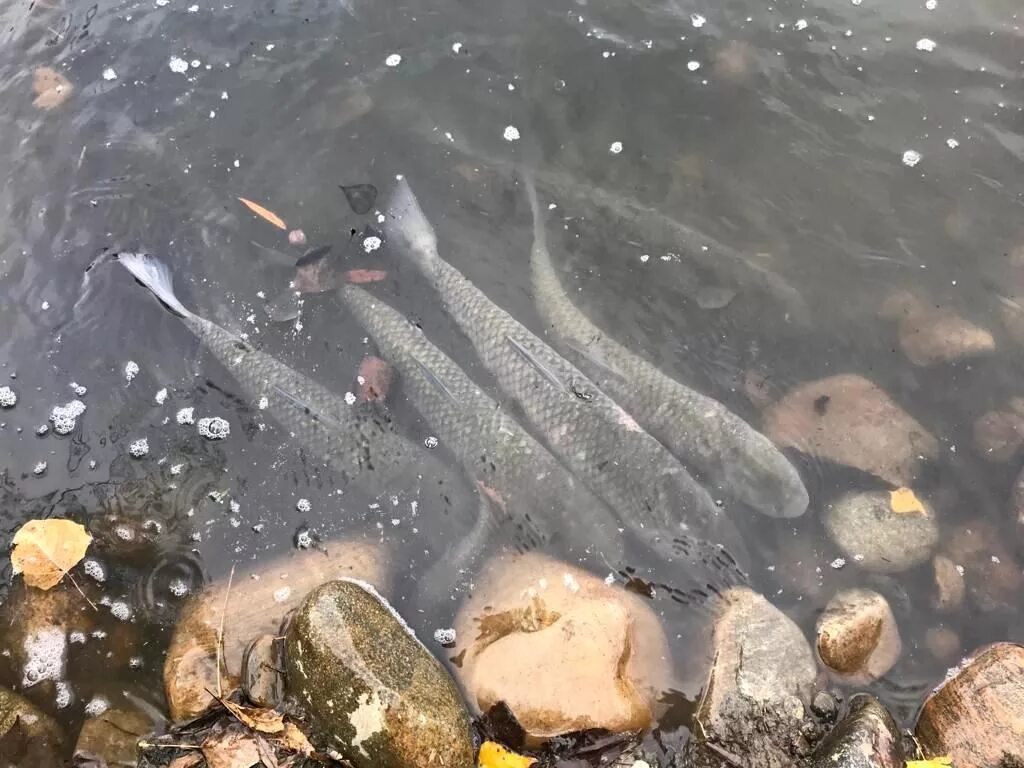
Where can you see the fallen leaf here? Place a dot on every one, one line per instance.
(935, 762)
(261, 720)
(44, 550)
(191, 760)
(231, 749)
(267, 755)
(903, 501)
(263, 213)
(50, 87)
(494, 755)
(295, 740)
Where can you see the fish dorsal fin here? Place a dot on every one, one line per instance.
(542, 369)
(435, 380)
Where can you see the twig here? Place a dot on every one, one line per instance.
(90, 602)
(157, 745)
(220, 631)
(726, 755)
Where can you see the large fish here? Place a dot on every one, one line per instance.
(524, 483)
(591, 434)
(699, 430)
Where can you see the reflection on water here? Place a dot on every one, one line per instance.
(735, 193)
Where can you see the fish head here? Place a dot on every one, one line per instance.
(767, 481)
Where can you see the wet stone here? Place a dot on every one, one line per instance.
(930, 333)
(858, 639)
(373, 691)
(949, 584)
(112, 737)
(998, 435)
(976, 716)
(262, 678)
(992, 577)
(869, 531)
(27, 736)
(942, 643)
(866, 737)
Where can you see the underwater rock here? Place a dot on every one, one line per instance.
(112, 737)
(942, 643)
(759, 689)
(857, 636)
(847, 419)
(867, 527)
(262, 680)
(374, 692)
(932, 334)
(1017, 509)
(976, 715)
(866, 737)
(998, 435)
(562, 649)
(949, 585)
(256, 604)
(992, 576)
(27, 736)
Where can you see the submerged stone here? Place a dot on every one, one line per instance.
(27, 736)
(373, 691)
(880, 536)
(867, 737)
(857, 636)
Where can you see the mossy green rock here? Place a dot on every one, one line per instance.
(375, 694)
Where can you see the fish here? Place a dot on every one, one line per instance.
(591, 435)
(528, 487)
(699, 430)
(353, 440)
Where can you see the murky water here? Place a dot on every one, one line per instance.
(821, 155)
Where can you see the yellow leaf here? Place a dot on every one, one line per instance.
(264, 213)
(261, 720)
(935, 762)
(903, 501)
(44, 550)
(295, 740)
(493, 755)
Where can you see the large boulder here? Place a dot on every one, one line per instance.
(257, 602)
(562, 649)
(858, 639)
(976, 715)
(760, 687)
(849, 420)
(881, 535)
(374, 693)
(867, 737)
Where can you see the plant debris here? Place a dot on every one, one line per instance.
(264, 213)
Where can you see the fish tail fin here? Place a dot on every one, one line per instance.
(156, 276)
(539, 233)
(409, 224)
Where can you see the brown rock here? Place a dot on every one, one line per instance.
(112, 736)
(866, 737)
(849, 420)
(759, 688)
(857, 636)
(998, 435)
(976, 716)
(943, 643)
(949, 584)
(931, 333)
(561, 648)
(991, 575)
(256, 604)
(27, 736)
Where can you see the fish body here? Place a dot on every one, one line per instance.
(591, 434)
(697, 429)
(353, 440)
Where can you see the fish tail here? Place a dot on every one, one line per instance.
(156, 276)
(409, 224)
(539, 234)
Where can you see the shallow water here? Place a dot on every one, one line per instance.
(780, 132)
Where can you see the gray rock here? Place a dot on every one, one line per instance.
(867, 737)
(759, 689)
(27, 736)
(871, 533)
(262, 678)
(373, 691)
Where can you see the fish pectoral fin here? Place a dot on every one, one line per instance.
(542, 369)
(434, 380)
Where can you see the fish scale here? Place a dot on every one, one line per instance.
(592, 435)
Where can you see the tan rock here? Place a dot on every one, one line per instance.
(976, 716)
(998, 435)
(848, 420)
(27, 736)
(931, 333)
(880, 535)
(943, 643)
(51, 88)
(759, 688)
(949, 584)
(992, 576)
(112, 736)
(561, 648)
(858, 638)
(256, 604)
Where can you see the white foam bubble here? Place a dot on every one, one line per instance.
(131, 370)
(444, 636)
(393, 60)
(46, 656)
(96, 706)
(911, 158)
(65, 417)
(303, 505)
(511, 133)
(139, 448)
(178, 587)
(178, 65)
(95, 570)
(161, 396)
(186, 416)
(120, 610)
(214, 428)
